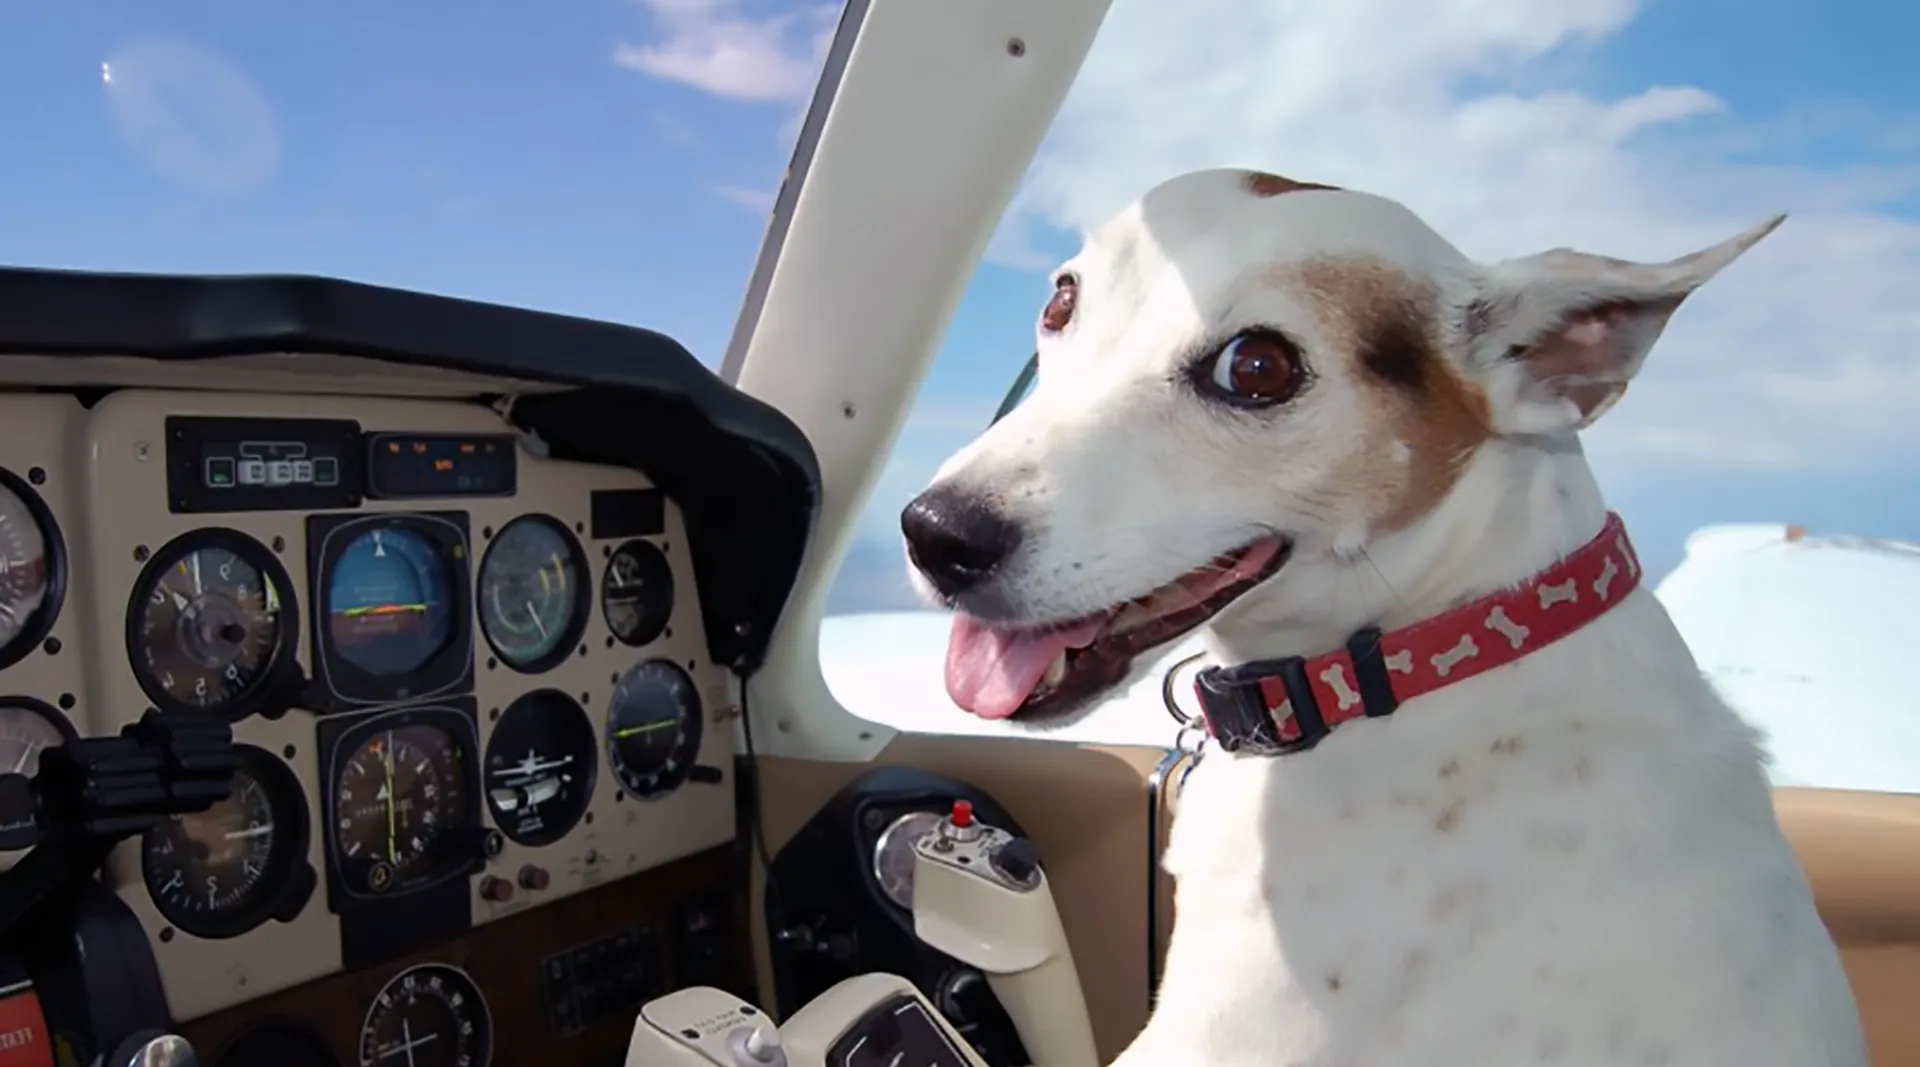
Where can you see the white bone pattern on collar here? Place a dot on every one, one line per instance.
(1289, 705)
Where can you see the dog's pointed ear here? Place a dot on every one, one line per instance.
(1556, 337)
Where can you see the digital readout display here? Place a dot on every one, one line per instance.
(217, 463)
(263, 464)
(407, 466)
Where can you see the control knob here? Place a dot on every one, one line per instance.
(1017, 861)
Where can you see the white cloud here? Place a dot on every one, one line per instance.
(1800, 356)
(721, 48)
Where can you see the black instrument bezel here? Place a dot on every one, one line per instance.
(340, 736)
(338, 683)
(472, 993)
(42, 621)
(686, 754)
(589, 771)
(649, 632)
(287, 883)
(569, 643)
(271, 691)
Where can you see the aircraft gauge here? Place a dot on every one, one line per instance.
(430, 1015)
(32, 568)
(28, 727)
(541, 758)
(399, 806)
(531, 608)
(224, 871)
(636, 594)
(211, 625)
(653, 729)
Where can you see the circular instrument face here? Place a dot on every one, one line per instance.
(636, 595)
(428, 1016)
(653, 728)
(893, 855)
(541, 758)
(26, 566)
(216, 873)
(27, 728)
(531, 608)
(398, 802)
(209, 622)
(389, 602)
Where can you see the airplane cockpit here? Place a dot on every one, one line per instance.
(389, 679)
(424, 681)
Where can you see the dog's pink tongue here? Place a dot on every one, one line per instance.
(992, 672)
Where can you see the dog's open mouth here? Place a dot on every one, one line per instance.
(998, 671)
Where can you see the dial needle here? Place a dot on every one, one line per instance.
(387, 763)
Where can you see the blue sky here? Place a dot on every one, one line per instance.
(613, 158)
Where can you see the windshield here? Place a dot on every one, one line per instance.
(613, 161)
(1770, 429)
(618, 161)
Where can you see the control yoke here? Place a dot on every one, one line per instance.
(979, 896)
(94, 792)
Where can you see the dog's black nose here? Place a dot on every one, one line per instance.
(955, 539)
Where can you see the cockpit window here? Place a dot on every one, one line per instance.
(611, 161)
(1780, 393)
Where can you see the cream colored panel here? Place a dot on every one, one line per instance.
(39, 435)
(1862, 854)
(106, 482)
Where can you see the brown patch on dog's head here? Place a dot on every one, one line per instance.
(1428, 419)
(1260, 183)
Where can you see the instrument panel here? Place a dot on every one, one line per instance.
(468, 680)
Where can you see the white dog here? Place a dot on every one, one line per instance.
(1531, 834)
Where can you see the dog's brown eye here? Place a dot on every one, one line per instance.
(1059, 310)
(1255, 368)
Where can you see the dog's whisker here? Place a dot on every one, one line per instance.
(1384, 580)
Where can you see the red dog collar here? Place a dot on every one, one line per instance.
(1288, 705)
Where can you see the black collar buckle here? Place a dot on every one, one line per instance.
(1236, 705)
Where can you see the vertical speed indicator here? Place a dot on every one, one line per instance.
(653, 728)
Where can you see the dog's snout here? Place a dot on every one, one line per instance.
(955, 539)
